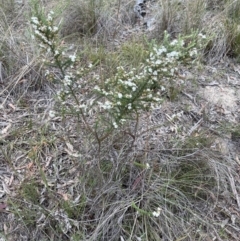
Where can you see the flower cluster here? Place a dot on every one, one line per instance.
(46, 33)
(129, 92)
(157, 213)
(125, 94)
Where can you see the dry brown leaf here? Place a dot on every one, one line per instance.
(11, 180)
(5, 228)
(70, 147)
(237, 160)
(30, 165)
(48, 159)
(12, 106)
(22, 81)
(64, 195)
(5, 130)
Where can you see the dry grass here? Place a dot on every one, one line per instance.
(60, 182)
(102, 19)
(20, 68)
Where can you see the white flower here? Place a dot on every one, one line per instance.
(147, 166)
(49, 43)
(193, 52)
(129, 83)
(120, 68)
(174, 42)
(56, 53)
(150, 96)
(52, 114)
(172, 54)
(202, 36)
(67, 80)
(49, 16)
(158, 62)
(105, 92)
(181, 42)
(107, 105)
(119, 80)
(150, 70)
(34, 20)
(157, 213)
(134, 88)
(156, 99)
(96, 76)
(72, 57)
(37, 32)
(43, 28)
(115, 125)
(163, 88)
(97, 88)
(47, 72)
(161, 50)
(55, 29)
(119, 95)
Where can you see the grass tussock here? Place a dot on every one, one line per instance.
(100, 138)
(20, 69)
(98, 18)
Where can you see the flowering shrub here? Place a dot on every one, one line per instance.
(124, 95)
(60, 66)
